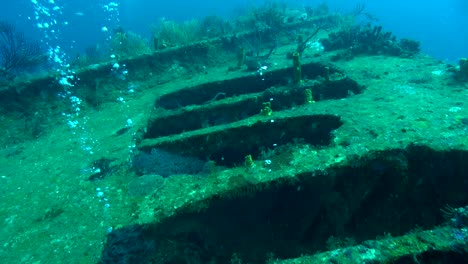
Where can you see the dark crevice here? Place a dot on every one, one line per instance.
(280, 98)
(229, 147)
(254, 83)
(386, 192)
(183, 121)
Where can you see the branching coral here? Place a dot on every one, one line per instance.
(16, 53)
(127, 44)
(369, 40)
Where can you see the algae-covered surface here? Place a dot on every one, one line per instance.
(203, 162)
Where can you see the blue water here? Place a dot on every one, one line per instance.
(440, 26)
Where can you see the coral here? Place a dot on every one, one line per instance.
(457, 217)
(127, 44)
(303, 44)
(213, 26)
(171, 34)
(267, 24)
(369, 40)
(297, 67)
(92, 54)
(17, 55)
(272, 16)
(248, 162)
(321, 10)
(241, 57)
(410, 46)
(463, 68)
(309, 98)
(266, 109)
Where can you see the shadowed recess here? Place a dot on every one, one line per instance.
(228, 147)
(388, 192)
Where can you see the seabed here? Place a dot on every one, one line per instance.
(373, 169)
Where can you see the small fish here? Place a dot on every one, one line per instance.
(79, 14)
